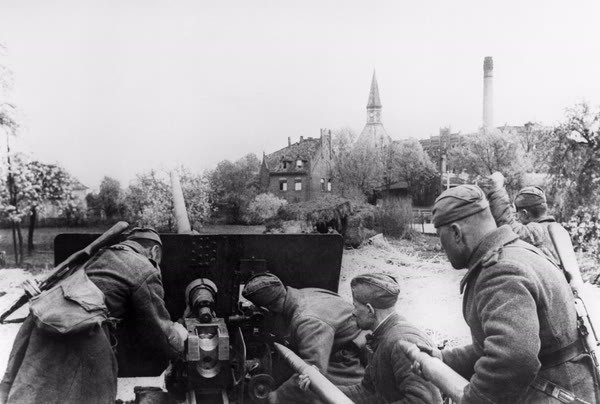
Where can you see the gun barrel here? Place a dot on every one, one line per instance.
(319, 384)
(181, 216)
(440, 374)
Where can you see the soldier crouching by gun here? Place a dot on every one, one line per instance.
(63, 351)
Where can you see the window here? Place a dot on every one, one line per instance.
(329, 185)
(298, 163)
(298, 184)
(283, 184)
(322, 184)
(284, 164)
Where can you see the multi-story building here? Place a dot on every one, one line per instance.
(301, 171)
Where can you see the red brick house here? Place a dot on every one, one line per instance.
(301, 171)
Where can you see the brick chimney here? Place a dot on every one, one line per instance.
(289, 141)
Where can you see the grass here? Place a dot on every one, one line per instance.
(43, 240)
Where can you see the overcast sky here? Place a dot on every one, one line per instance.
(118, 87)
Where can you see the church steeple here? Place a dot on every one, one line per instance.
(374, 134)
(374, 104)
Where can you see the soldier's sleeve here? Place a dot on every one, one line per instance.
(315, 342)
(504, 213)
(414, 388)
(153, 318)
(508, 311)
(461, 359)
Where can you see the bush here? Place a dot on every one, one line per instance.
(394, 218)
(584, 228)
(328, 211)
(263, 207)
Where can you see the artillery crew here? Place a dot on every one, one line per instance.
(321, 327)
(519, 308)
(81, 367)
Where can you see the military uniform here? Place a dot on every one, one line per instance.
(322, 331)
(535, 232)
(82, 368)
(388, 377)
(521, 315)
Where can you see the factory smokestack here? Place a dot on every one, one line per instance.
(488, 93)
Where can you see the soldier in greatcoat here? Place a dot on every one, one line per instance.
(529, 218)
(388, 376)
(525, 344)
(321, 329)
(82, 367)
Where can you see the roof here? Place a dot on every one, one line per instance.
(374, 101)
(304, 150)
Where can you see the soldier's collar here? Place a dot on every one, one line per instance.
(545, 219)
(489, 248)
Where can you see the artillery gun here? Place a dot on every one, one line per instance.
(230, 356)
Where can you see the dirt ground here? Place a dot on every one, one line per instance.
(430, 293)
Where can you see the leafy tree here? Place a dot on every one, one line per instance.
(573, 159)
(410, 162)
(9, 124)
(234, 185)
(196, 192)
(34, 184)
(357, 168)
(490, 151)
(149, 199)
(108, 202)
(43, 183)
(110, 196)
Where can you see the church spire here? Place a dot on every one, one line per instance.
(374, 134)
(374, 101)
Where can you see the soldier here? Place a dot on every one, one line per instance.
(322, 331)
(82, 367)
(388, 377)
(525, 344)
(530, 221)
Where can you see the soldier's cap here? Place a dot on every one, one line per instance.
(458, 203)
(530, 196)
(263, 289)
(144, 233)
(379, 290)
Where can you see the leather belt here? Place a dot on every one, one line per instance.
(562, 355)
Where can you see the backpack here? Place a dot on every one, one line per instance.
(74, 305)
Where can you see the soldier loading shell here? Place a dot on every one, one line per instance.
(525, 343)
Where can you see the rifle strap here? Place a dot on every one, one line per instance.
(554, 390)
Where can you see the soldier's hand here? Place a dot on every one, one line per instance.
(431, 351)
(182, 333)
(304, 382)
(497, 180)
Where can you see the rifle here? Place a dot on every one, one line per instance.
(64, 267)
(568, 260)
